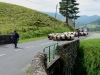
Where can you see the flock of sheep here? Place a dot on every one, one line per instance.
(65, 35)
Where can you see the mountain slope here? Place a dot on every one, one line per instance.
(97, 22)
(87, 19)
(84, 19)
(93, 26)
(28, 22)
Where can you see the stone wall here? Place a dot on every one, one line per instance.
(62, 66)
(5, 39)
(68, 52)
(39, 64)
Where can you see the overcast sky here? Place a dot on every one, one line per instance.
(86, 7)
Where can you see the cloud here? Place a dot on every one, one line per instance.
(86, 7)
(45, 5)
(89, 7)
(40, 5)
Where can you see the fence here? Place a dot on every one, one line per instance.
(53, 50)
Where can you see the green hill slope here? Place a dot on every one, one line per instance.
(97, 22)
(93, 26)
(29, 23)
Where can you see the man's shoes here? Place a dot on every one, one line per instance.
(16, 47)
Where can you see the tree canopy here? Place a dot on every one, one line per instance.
(69, 9)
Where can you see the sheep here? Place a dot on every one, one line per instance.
(70, 36)
(55, 37)
(50, 36)
(62, 36)
(58, 37)
(85, 33)
(81, 33)
(74, 34)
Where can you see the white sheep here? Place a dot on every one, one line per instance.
(55, 36)
(85, 33)
(70, 36)
(50, 36)
(81, 33)
(62, 36)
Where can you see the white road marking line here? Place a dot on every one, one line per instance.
(26, 47)
(43, 44)
(29, 46)
(2, 54)
(32, 46)
(46, 43)
(18, 49)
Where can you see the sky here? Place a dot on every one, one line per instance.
(86, 7)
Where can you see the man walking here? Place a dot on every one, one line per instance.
(15, 38)
(78, 31)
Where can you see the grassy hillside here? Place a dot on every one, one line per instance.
(29, 23)
(88, 60)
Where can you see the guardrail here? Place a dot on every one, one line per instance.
(53, 50)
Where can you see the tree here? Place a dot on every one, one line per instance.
(68, 9)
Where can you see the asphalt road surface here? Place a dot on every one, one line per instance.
(15, 61)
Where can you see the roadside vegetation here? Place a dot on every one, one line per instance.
(88, 60)
(28, 71)
(97, 32)
(28, 23)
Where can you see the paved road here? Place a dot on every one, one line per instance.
(15, 61)
(92, 36)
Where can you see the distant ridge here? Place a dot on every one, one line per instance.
(82, 20)
(87, 19)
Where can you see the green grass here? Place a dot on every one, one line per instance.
(91, 26)
(97, 31)
(29, 23)
(88, 60)
(32, 39)
(28, 70)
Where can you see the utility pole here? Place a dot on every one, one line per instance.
(56, 11)
(55, 15)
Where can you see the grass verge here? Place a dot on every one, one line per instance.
(28, 70)
(88, 59)
(32, 39)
